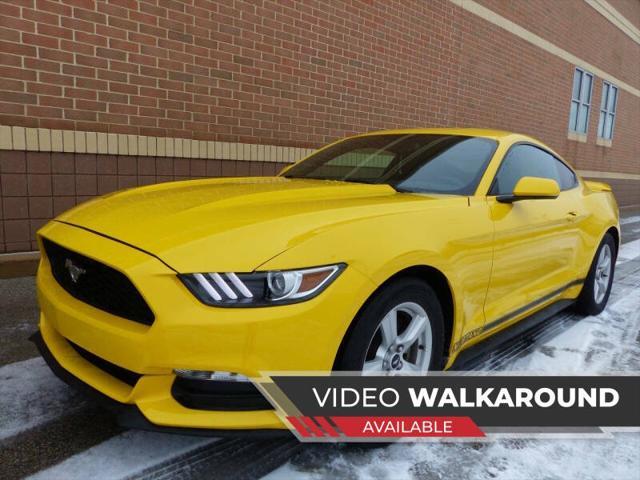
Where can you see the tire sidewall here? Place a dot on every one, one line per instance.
(366, 323)
(586, 301)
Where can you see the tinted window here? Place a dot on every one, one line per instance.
(568, 179)
(450, 164)
(457, 169)
(524, 161)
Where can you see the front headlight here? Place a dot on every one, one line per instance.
(259, 289)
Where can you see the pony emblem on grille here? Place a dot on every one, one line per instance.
(74, 271)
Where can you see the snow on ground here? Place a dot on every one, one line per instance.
(609, 342)
(598, 344)
(504, 460)
(122, 456)
(627, 220)
(30, 395)
(629, 251)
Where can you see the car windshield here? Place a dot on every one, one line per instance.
(451, 164)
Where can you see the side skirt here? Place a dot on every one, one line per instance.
(470, 356)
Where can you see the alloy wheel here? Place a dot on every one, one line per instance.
(602, 276)
(402, 342)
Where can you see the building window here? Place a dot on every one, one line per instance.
(580, 101)
(607, 111)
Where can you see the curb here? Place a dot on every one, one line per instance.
(20, 264)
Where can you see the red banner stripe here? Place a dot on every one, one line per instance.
(299, 426)
(313, 427)
(396, 427)
(327, 426)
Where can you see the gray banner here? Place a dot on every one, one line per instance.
(595, 391)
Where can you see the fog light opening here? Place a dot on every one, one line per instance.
(218, 376)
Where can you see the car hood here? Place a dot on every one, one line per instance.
(229, 224)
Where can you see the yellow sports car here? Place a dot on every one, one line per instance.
(400, 250)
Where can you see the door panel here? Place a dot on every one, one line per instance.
(534, 250)
(535, 240)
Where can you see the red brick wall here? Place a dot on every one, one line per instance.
(36, 186)
(531, 89)
(292, 72)
(629, 9)
(296, 73)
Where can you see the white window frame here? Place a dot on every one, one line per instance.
(607, 109)
(580, 100)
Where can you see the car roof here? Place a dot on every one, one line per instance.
(472, 132)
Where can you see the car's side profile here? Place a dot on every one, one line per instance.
(401, 250)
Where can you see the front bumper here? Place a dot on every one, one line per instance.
(185, 335)
(130, 416)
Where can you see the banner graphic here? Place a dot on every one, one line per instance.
(351, 407)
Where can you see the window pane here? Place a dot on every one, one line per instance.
(583, 114)
(573, 116)
(524, 161)
(577, 80)
(611, 107)
(567, 178)
(585, 91)
(601, 124)
(608, 126)
(605, 92)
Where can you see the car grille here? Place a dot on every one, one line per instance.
(97, 284)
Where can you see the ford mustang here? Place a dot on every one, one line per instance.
(395, 251)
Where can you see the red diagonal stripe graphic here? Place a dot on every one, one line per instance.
(327, 426)
(302, 430)
(313, 427)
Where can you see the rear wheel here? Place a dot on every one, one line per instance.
(399, 330)
(597, 285)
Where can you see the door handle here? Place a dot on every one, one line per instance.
(571, 216)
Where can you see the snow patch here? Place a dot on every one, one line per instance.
(30, 395)
(627, 220)
(122, 456)
(629, 251)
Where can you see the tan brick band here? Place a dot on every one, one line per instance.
(68, 141)
(519, 31)
(609, 175)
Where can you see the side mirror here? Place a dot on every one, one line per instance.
(531, 188)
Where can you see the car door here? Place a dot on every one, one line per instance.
(534, 241)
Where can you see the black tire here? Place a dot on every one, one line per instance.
(406, 289)
(586, 303)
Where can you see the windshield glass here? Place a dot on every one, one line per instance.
(450, 164)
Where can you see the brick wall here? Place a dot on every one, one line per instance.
(295, 73)
(38, 185)
(629, 9)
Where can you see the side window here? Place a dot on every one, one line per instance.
(523, 161)
(567, 178)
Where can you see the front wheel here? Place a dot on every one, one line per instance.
(399, 330)
(597, 286)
